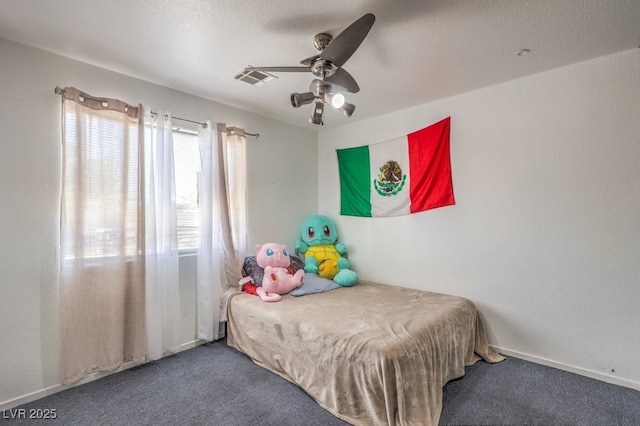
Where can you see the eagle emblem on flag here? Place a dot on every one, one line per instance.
(390, 180)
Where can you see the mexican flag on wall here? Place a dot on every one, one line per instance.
(406, 175)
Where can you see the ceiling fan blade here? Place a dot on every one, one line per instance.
(343, 79)
(309, 60)
(279, 69)
(346, 43)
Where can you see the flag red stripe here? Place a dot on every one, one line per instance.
(430, 167)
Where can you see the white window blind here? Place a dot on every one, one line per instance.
(187, 165)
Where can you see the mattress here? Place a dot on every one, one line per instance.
(371, 354)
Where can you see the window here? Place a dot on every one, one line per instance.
(187, 165)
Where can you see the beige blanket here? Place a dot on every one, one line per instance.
(371, 354)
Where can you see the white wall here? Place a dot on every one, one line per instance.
(30, 188)
(545, 234)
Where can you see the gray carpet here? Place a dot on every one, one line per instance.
(517, 392)
(216, 385)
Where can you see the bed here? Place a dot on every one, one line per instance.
(371, 354)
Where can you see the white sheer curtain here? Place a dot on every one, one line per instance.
(223, 233)
(101, 292)
(161, 246)
(209, 276)
(233, 192)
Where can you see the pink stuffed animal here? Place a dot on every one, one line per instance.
(275, 259)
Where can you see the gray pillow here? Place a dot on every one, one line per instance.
(313, 283)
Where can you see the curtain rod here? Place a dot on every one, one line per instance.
(204, 125)
(230, 130)
(255, 135)
(59, 91)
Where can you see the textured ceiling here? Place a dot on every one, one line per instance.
(417, 51)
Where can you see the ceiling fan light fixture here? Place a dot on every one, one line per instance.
(299, 99)
(347, 109)
(316, 115)
(336, 100)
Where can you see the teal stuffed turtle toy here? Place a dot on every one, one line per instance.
(321, 255)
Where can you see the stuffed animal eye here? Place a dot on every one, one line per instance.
(285, 253)
(311, 232)
(269, 252)
(327, 233)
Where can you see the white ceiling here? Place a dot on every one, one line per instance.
(417, 51)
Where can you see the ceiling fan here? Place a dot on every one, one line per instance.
(331, 79)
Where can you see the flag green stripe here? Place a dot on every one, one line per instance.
(355, 181)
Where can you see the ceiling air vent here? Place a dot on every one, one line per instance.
(253, 77)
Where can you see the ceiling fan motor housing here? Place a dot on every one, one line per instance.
(322, 68)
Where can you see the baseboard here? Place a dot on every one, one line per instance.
(33, 396)
(570, 368)
(192, 344)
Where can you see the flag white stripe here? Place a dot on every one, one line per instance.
(379, 154)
